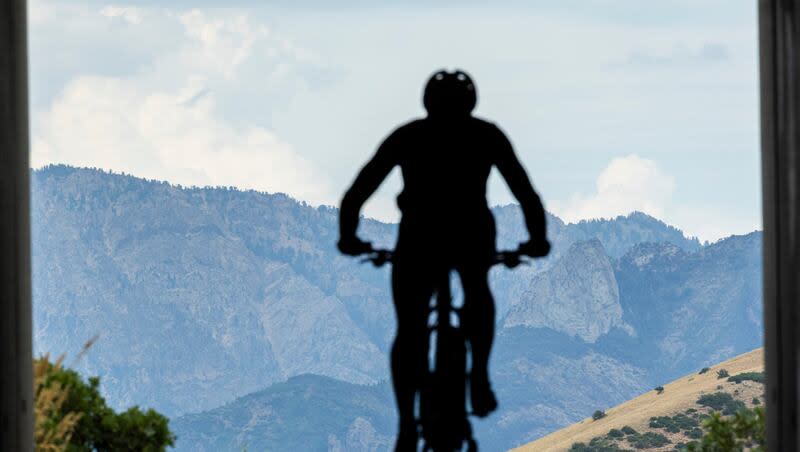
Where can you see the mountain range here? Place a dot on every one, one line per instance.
(232, 312)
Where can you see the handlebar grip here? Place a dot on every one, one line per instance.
(378, 257)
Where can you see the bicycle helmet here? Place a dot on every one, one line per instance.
(450, 93)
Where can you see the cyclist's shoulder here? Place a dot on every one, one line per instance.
(421, 126)
(406, 131)
(488, 129)
(485, 125)
(410, 126)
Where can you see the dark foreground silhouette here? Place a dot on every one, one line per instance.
(446, 225)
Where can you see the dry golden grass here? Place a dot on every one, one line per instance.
(53, 429)
(678, 396)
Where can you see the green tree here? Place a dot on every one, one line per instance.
(745, 430)
(99, 427)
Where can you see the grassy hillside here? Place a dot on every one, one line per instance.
(676, 398)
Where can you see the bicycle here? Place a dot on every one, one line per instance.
(443, 424)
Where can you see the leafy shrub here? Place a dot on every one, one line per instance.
(659, 389)
(691, 410)
(758, 377)
(745, 430)
(599, 414)
(703, 370)
(615, 433)
(695, 433)
(756, 401)
(674, 424)
(648, 440)
(98, 427)
(663, 422)
(598, 444)
(723, 373)
(685, 422)
(721, 401)
(628, 430)
(581, 447)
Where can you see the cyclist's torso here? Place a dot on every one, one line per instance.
(445, 167)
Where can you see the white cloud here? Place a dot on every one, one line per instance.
(113, 123)
(219, 44)
(130, 14)
(230, 70)
(633, 183)
(164, 121)
(627, 184)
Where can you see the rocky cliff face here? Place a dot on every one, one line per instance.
(578, 296)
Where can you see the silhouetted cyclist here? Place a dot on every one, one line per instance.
(445, 159)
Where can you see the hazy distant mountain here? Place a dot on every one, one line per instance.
(690, 309)
(307, 412)
(590, 330)
(204, 295)
(540, 390)
(617, 235)
(199, 295)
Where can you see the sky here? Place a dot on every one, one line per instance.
(612, 105)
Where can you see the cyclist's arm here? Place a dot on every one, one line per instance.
(520, 185)
(368, 180)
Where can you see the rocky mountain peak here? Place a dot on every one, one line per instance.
(578, 295)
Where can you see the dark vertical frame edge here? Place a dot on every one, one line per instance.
(16, 387)
(779, 35)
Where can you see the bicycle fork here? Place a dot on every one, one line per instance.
(443, 415)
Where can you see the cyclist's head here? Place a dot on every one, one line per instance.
(450, 94)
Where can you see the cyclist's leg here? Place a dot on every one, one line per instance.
(412, 289)
(479, 319)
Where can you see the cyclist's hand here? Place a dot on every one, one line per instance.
(535, 248)
(353, 246)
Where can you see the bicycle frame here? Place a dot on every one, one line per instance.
(442, 415)
(443, 418)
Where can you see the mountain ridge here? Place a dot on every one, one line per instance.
(203, 295)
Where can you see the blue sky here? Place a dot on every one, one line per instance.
(613, 106)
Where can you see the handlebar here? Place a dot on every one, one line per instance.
(378, 257)
(509, 258)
